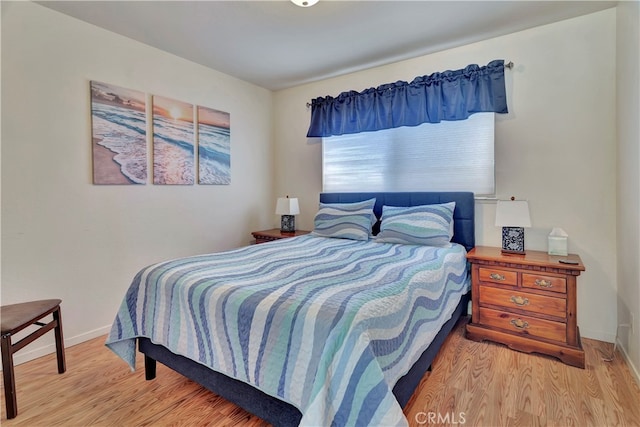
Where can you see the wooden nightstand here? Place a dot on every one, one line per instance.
(527, 302)
(275, 234)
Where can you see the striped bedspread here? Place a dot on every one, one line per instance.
(327, 325)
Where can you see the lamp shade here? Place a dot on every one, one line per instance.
(287, 206)
(512, 213)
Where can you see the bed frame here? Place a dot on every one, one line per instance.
(280, 413)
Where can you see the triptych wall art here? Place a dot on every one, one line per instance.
(119, 131)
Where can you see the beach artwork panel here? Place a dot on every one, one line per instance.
(173, 142)
(214, 147)
(118, 124)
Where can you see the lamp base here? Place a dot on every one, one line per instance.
(288, 224)
(513, 240)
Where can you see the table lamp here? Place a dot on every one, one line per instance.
(513, 215)
(288, 208)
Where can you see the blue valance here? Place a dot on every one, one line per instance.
(449, 95)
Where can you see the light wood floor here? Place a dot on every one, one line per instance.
(481, 384)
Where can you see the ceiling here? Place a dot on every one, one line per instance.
(276, 45)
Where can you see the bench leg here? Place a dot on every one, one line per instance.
(57, 316)
(9, 377)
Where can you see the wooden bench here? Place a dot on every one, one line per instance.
(13, 319)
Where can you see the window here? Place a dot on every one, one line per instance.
(445, 156)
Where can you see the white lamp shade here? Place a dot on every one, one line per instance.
(287, 206)
(512, 213)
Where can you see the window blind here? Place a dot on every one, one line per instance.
(445, 156)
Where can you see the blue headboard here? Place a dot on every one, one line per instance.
(463, 216)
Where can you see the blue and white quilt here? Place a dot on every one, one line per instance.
(327, 325)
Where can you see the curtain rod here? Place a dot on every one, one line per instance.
(508, 65)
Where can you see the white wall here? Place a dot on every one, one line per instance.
(63, 237)
(628, 207)
(556, 147)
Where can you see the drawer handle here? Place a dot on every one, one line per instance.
(496, 276)
(519, 300)
(543, 283)
(519, 323)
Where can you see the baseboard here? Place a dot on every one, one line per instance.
(27, 353)
(633, 368)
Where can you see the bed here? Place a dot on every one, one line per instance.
(293, 363)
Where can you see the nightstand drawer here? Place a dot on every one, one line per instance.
(265, 239)
(536, 304)
(275, 234)
(495, 275)
(524, 325)
(546, 283)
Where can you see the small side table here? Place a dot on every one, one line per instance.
(527, 302)
(275, 234)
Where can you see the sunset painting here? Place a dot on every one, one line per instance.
(118, 122)
(214, 148)
(173, 146)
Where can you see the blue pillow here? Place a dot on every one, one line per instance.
(429, 225)
(345, 220)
